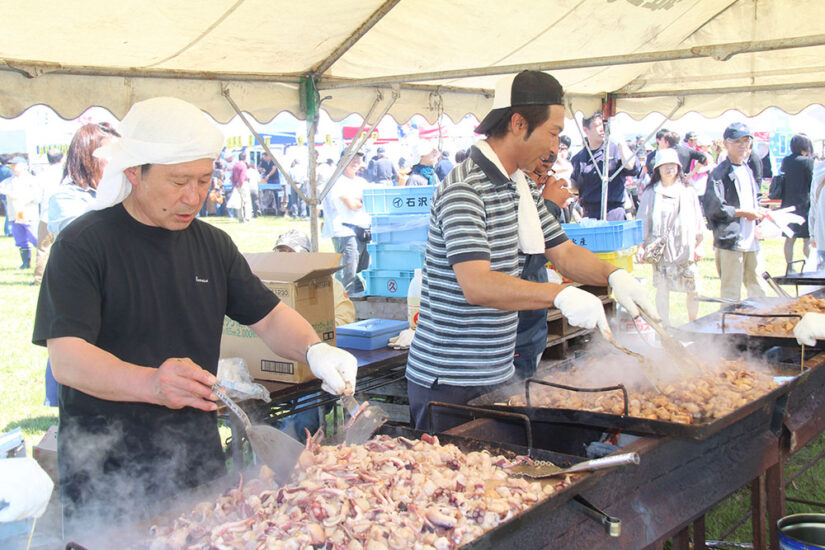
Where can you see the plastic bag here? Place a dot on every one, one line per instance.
(236, 380)
(25, 486)
(234, 201)
(812, 261)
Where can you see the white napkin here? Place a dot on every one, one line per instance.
(530, 234)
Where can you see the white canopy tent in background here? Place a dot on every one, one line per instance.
(415, 56)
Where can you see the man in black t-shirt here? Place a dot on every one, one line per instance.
(270, 175)
(665, 140)
(132, 307)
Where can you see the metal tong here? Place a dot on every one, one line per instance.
(674, 348)
(727, 301)
(647, 366)
(775, 286)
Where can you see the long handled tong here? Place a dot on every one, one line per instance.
(647, 366)
(674, 348)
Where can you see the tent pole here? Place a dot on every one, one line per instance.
(606, 170)
(721, 52)
(263, 144)
(313, 183)
(342, 48)
(348, 158)
(651, 134)
(584, 140)
(349, 152)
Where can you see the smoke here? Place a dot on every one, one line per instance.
(117, 472)
(600, 364)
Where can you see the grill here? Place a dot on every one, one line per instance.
(725, 324)
(493, 538)
(498, 399)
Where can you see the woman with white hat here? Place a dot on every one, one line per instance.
(672, 222)
(423, 170)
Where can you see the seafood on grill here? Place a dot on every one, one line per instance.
(689, 400)
(390, 493)
(781, 326)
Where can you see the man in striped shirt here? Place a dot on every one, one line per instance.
(482, 215)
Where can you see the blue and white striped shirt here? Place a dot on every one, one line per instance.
(473, 216)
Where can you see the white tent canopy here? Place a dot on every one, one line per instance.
(647, 55)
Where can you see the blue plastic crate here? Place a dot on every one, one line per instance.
(609, 237)
(397, 256)
(368, 334)
(400, 228)
(14, 534)
(398, 200)
(388, 282)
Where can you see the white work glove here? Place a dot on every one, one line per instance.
(810, 329)
(25, 487)
(630, 294)
(335, 367)
(581, 308)
(403, 340)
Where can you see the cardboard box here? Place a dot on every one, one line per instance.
(303, 281)
(45, 453)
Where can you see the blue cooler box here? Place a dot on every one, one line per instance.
(368, 334)
(400, 228)
(390, 283)
(402, 257)
(398, 200)
(606, 236)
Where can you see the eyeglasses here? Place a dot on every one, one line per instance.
(741, 142)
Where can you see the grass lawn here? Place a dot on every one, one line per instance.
(22, 364)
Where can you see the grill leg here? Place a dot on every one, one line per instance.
(682, 539)
(775, 488)
(759, 510)
(699, 533)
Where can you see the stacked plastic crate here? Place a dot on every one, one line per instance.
(400, 221)
(613, 242)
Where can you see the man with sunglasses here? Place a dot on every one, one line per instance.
(731, 204)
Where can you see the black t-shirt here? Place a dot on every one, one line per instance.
(267, 165)
(686, 156)
(144, 294)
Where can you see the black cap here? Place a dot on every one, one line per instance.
(690, 135)
(524, 88)
(737, 130)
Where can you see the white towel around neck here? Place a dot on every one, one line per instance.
(530, 234)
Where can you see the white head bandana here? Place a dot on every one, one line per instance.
(161, 130)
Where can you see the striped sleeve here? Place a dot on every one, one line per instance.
(463, 224)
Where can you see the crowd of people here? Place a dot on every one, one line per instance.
(679, 188)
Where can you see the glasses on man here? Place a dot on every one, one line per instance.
(741, 142)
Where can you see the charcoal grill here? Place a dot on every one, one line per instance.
(499, 399)
(137, 531)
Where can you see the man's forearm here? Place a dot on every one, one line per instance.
(483, 287)
(579, 264)
(286, 332)
(85, 367)
(508, 293)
